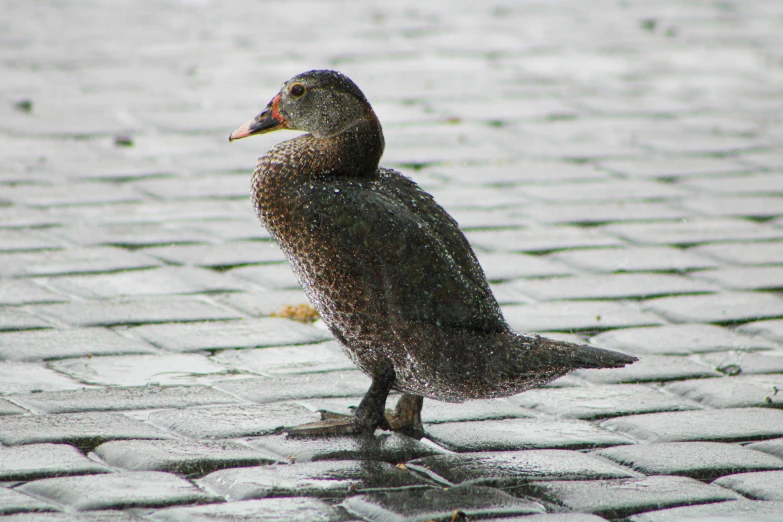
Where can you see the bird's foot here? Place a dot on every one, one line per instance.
(363, 422)
(405, 419)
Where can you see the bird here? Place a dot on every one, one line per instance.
(387, 268)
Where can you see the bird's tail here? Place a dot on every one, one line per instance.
(540, 352)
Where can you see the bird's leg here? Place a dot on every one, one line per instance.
(406, 418)
(369, 415)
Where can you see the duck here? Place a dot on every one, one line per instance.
(386, 267)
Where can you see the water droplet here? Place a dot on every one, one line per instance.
(336, 191)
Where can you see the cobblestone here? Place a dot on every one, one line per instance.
(617, 167)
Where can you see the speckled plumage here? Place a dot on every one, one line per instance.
(386, 267)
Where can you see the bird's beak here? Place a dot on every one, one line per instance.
(269, 120)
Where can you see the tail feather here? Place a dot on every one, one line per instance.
(541, 352)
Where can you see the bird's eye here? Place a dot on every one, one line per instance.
(297, 89)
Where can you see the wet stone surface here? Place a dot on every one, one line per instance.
(293, 387)
(766, 485)
(734, 511)
(117, 491)
(596, 402)
(233, 421)
(710, 425)
(733, 392)
(326, 479)
(516, 467)
(438, 503)
(57, 344)
(184, 457)
(515, 434)
(699, 460)
(619, 498)
(85, 430)
(34, 461)
(273, 509)
(12, 501)
(135, 398)
(385, 447)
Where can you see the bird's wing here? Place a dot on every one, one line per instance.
(406, 253)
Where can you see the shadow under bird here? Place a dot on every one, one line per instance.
(386, 267)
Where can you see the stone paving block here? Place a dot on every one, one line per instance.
(527, 171)
(505, 468)
(309, 358)
(634, 259)
(542, 239)
(488, 218)
(692, 231)
(131, 398)
(100, 516)
(160, 281)
(381, 446)
(551, 517)
(39, 345)
(278, 276)
(736, 206)
(757, 253)
(71, 194)
(12, 501)
(73, 261)
(597, 402)
(16, 217)
(26, 240)
(34, 461)
(500, 266)
(623, 497)
(233, 421)
(196, 187)
(273, 509)
(21, 291)
(760, 183)
(247, 229)
(139, 370)
(734, 511)
(696, 144)
(250, 333)
(726, 425)
(7, 408)
(773, 447)
(438, 503)
(118, 491)
(745, 278)
(745, 362)
(699, 460)
(651, 368)
(582, 315)
(605, 212)
(733, 392)
(765, 485)
(22, 377)
(152, 212)
(134, 235)
(769, 329)
(296, 387)
(674, 167)
(328, 479)
(725, 307)
(183, 457)
(604, 190)
(161, 309)
(85, 430)
(17, 319)
(223, 255)
(678, 339)
(519, 434)
(263, 302)
(610, 286)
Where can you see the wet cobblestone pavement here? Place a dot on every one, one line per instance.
(618, 166)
